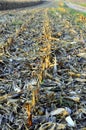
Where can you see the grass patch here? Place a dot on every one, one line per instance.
(83, 4)
(76, 17)
(17, 22)
(73, 11)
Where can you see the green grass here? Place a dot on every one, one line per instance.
(71, 15)
(17, 22)
(83, 4)
(79, 2)
(73, 11)
(70, 11)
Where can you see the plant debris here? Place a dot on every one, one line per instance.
(42, 70)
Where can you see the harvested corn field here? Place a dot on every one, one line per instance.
(42, 69)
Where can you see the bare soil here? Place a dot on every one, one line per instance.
(78, 1)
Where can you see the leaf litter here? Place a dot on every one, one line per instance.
(42, 71)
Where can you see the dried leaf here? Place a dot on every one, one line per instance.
(33, 98)
(52, 126)
(47, 115)
(80, 80)
(70, 122)
(59, 111)
(68, 110)
(74, 74)
(83, 128)
(83, 55)
(55, 67)
(61, 126)
(48, 125)
(75, 99)
(83, 110)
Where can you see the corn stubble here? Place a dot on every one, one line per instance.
(45, 57)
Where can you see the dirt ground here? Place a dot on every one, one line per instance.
(78, 1)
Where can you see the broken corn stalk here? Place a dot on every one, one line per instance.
(28, 109)
(74, 74)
